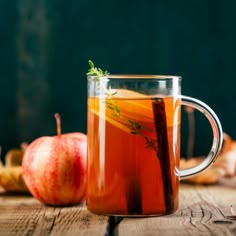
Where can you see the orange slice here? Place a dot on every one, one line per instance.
(111, 120)
(124, 108)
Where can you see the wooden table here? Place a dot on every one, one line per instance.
(203, 211)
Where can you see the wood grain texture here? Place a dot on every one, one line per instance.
(24, 215)
(202, 211)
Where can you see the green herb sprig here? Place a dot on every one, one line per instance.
(99, 75)
(95, 71)
(135, 127)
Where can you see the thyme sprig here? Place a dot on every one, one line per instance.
(135, 127)
(94, 71)
(99, 75)
(114, 108)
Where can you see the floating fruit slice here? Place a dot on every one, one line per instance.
(110, 120)
(122, 109)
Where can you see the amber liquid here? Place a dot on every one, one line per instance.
(126, 175)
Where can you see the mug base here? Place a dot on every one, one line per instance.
(133, 215)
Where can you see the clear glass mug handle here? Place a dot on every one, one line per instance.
(217, 136)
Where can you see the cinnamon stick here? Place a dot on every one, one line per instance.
(159, 114)
(113, 222)
(134, 197)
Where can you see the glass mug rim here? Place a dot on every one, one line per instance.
(137, 76)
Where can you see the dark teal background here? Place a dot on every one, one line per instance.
(45, 46)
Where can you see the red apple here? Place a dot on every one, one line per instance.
(54, 168)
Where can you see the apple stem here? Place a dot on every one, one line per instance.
(58, 121)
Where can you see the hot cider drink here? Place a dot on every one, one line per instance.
(133, 133)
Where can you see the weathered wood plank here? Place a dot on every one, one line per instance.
(24, 215)
(34, 220)
(78, 221)
(202, 211)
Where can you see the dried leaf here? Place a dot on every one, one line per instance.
(224, 166)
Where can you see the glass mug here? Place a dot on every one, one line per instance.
(134, 144)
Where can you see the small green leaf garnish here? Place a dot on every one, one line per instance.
(94, 71)
(117, 109)
(135, 127)
(113, 107)
(91, 64)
